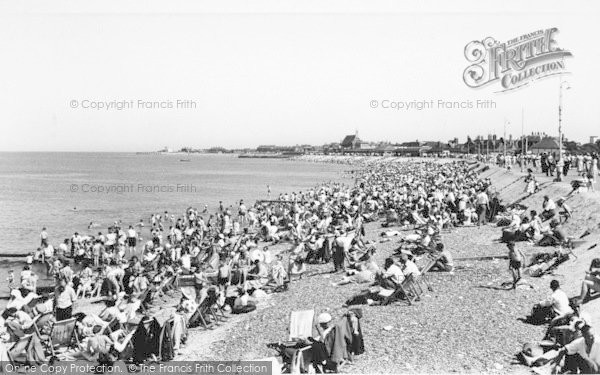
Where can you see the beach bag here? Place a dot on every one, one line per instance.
(539, 314)
(508, 236)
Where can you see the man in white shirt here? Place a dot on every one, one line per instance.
(587, 348)
(131, 239)
(409, 267)
(392, 276)
(556, 306)
(483, 204)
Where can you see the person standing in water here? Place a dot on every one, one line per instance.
(43, 238)
(269, 191)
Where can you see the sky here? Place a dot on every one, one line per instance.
(242, 74)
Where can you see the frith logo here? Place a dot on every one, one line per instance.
(515, 63)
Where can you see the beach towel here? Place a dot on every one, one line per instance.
(301, 324)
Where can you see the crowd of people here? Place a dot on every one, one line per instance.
(158, 280)
(550, 164)
(569, 344)
(225, 262)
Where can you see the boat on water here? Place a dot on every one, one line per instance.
(185, 160)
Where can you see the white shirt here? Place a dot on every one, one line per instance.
(578, 346)
(395, 273)
(550, 205)
(411, 268)
(49, 251)
(559, 302)
(186, 261)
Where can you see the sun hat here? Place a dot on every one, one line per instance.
(324, 318)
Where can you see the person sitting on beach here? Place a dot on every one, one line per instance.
(321, 356)
(29, 284)
(112, 311)
(409, 268)
(591, 282)
(554, 236)
(278, 272)
(297, 266)
(18, 322)
(18, 301)
(549, 208)
(110, 286)
(535, 226)
(85, 281)
(444, 261)
(585, 349)
(555, 307)
(566, 212)
(360, 275)
(515, 223)
(391, 277)
(150, 255)
(242, 305)
(42, 312)
(139, 283)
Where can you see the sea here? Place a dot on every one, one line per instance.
(65, 192)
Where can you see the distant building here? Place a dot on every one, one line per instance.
(548, 145)
(351, 142)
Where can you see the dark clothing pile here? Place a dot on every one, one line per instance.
(152, 339)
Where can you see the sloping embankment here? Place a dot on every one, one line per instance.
(586, 216)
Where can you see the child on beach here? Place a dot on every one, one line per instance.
(516, 260)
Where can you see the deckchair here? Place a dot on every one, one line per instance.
(208, 307)
(112, 326)
(301, 324)
(199, 316)
(62, 334)
(431, 261)
(144, 296)
(406, 289)
(301, 328)
(36, 322)
(17, 354)
(167, 284)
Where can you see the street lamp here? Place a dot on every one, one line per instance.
(565, 85)
(504, 139)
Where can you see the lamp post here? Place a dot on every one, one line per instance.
(504, 142)
(565, 85)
